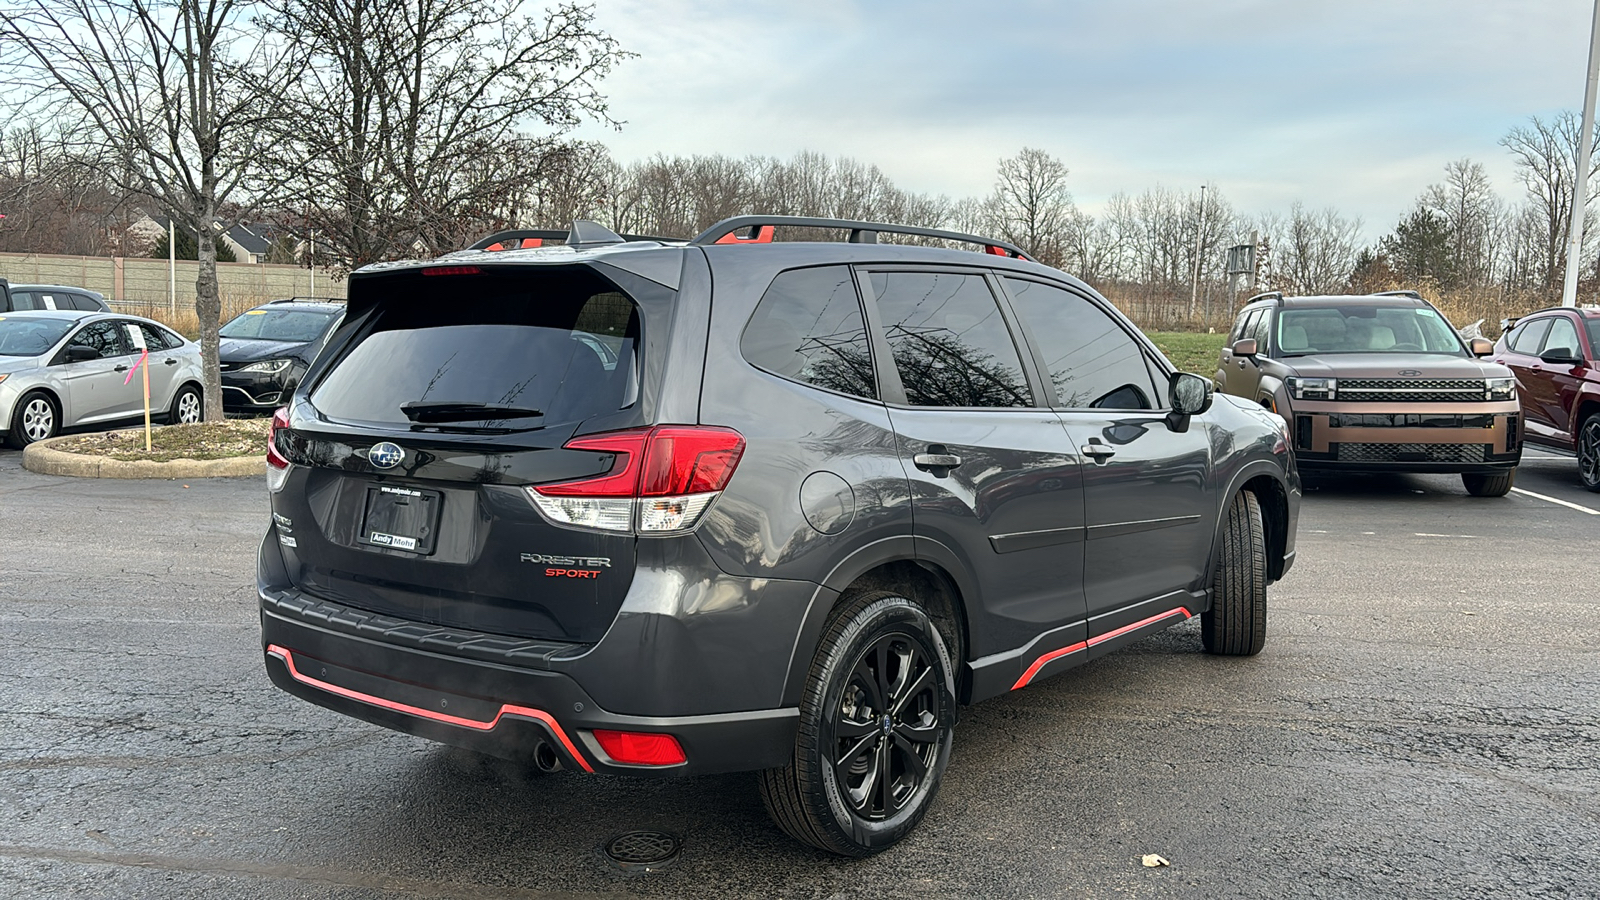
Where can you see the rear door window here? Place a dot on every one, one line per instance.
(949, 341)
(808, 328)
(502, 352)
(1092, 361)
(1529, 336)
(83, 302)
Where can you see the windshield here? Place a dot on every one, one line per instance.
(1594, 336)
(25, 336)
(1365, 329)
(295, 325)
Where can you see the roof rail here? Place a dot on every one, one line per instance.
(1403, 293)
(583, 233)
(307, 300)
(1266, 295)
(759, 230)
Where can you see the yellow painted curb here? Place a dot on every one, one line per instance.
(41, 457)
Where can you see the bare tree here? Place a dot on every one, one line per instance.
(1315, 251)
(164, 96)
(1031, 206)
(406, 128)
(1546, 154)
(1466, 202)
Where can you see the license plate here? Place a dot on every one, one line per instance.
(401, 518)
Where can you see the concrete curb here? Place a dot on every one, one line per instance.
(44, 459)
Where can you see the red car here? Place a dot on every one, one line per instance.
(1555, 355)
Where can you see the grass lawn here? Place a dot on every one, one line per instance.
(1190, 351)
(209, 440)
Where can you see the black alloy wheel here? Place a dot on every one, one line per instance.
(885, 731)
(1589, 452)
(876, 725)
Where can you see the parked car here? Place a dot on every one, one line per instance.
(1555, 356)
(265, 351)
(1377, 383)
(657, 508)
(55, 296)
(66, 369)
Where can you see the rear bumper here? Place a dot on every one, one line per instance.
(499, 709)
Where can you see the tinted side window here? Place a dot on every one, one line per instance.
(1563, 336)
(1530, 335)
(102, 336)
(24, 300)
(1247, 327)
(84, 302)
(950, 344)
(808, 328)
(1238, 327)
(1262, 328)
(1093, 362)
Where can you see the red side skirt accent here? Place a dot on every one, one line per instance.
(524, 712)
(1097, 639)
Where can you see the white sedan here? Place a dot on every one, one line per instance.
(68, 369)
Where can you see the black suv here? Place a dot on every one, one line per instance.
(264, 352)
(673, 508)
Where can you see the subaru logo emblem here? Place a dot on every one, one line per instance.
(385, 455)
(1411, 372)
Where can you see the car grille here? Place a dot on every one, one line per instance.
(1411, 389)
(1439, 453)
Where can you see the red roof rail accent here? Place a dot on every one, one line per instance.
(763, 235)
(992, 250)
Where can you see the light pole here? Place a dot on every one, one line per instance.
(1580, 181)
(1199, 231)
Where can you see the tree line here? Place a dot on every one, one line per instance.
(401, 130)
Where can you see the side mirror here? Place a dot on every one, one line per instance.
(1482, 346)
(1188, 395)
(1245, 347)
(1561, 356)
(80, 353)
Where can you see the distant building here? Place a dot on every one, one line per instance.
(247, 242)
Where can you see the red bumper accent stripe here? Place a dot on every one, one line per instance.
(1096, 640)
(524, 712)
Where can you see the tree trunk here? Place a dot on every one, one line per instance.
(208, 309)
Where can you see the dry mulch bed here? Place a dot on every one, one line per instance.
(227, 439)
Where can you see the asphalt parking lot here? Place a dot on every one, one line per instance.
(1424, 722)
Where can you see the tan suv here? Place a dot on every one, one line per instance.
(1377, 383)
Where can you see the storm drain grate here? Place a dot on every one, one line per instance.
(642, 851)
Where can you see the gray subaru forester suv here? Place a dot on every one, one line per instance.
(655, 507)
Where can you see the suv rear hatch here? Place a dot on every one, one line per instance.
(448, 392)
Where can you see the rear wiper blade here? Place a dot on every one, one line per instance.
(463, 411)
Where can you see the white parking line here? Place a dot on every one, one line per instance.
(1427, 534)
(1557, 501)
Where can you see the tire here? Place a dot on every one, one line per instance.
(1495, 485)
(834, 794)
(1589, 452)
(1236, 623)
(186, 408)
(36, 417)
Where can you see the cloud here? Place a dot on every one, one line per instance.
(1354, 104)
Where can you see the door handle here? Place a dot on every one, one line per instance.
(1241, 363)
(936, 460)
(119, 369)
(1097, 451)
(169, 361)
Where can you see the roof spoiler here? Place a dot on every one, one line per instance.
(583, 233)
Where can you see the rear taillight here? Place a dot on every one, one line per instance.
(661, 481)
(634, 748)
(277, 463)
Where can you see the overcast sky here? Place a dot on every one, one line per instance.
(1355, 104)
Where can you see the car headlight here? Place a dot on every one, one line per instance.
(268, 366)
(1313, 388)
(1500, 389)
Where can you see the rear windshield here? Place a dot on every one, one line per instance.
(1365, 329)
(475, 352)
(28, 336)
(296, 325)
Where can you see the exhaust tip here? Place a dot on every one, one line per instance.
(544, 756)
